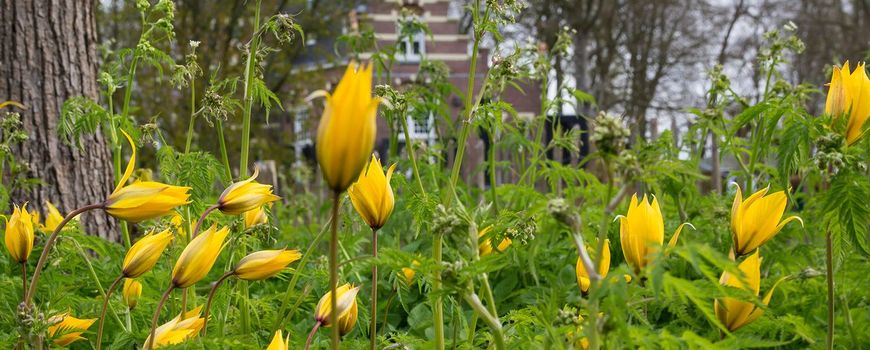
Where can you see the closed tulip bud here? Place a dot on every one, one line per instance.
(53, 217)
(756, 220)
(346, 133)
(143, 255)
(346, 299)
(198, 257)
(848, 94)
(734, 313)
(131, 292)
(347, 320)
(245, 195)
(642, 232)
(264, 264)
(256, 216)
(179, 329)
(143, 200)
(372, 195)
(279, 342)
(408, 273)
(65, 329)
(485, 246)
(19, 234)
(603, 268)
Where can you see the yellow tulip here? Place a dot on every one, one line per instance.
(256, 216)
(756, 220)
(346, 133)
(179, 329)
(345, 301)
(19, 234)
(53, 217)
(264, 264)
(245, 195)
(279, 342)
(347, 320)
(143, 255)
(603, 268)
(849, 96)
(143, 200)
(131, 292)
(408, 273)
(65, 329)
(642, 232)
(485, 247)
(372, 195)
(198, 257)
(177, 221)
(734, 313)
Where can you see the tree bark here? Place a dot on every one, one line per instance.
(48, 53)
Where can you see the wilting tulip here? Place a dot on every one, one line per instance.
(53, 217)
(848, 94)
(65, 329)
(372, 195)
(346, 133)
(256, 216)
(734, 313)
(642, 232)
(143, 200)
(603, 268)
(347, 320)
(131, 292)
(279, 342)
(179, 329)
(346, 299)
(756, 220)
(143, 255)
(264, 264)
(198, 257)
(19, 234)
(245, 195)
(485, 246)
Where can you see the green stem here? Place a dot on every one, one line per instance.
(438, 308)
(829, 266)
(279, 322)
(490, 320)
(411, 154)
(96, 279)
(248, 96)
(192, 114)
(103, 311)
(333, 272)
(223, 147)
(492, 184)
(373, 335)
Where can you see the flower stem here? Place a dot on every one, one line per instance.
(829, 265)
(248, 96)
(411, 154)
(103, 310)
(438, 307)
(373, 334)
(201, 218)
(210, 297)
(23, 280)
(279, 322)
(311, 335)
(223, 146)
(150, 344)
(192, 114)
(489, 319)
(48, 245)
(333, 272)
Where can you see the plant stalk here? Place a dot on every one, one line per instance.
(333, 272)
(103, 311)
(248, 96)
(438, 307)
(150, 344)
(279, 322)
(201, 218)
(223, 147)
(210, 297)
(311, 335)
(374, 314)
(829, 266)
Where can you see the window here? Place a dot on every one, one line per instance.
(302, 130)
(413, 48)
(420, 127)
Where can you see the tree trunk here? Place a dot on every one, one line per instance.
(48, 53)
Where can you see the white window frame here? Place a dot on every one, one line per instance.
(301, 131)
(426, 136)
(408, 56)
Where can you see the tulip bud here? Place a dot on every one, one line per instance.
(642, 232)
(347, 320)
(346, 300)
(143, 255)
(847, 96)
(256, 216)
(347, 129)
(603, 268)
(279, 342)
(756, 220)
(70, 328)
(179, 329)
(198, 257)
(53, 217)
(485, 246)
(408, 273)
(245, 195)
(734, 313)
(372, 195)
(131, 292)
(143, 200)
(264, 264)
(19, 234)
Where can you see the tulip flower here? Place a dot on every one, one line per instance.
(65, 329)
(408, 273)
(642, 232)
(245, 195)
(347, 320)
(345, 301)
(256, 216)
(178, 330)
(346, 133)
(143, 255)
(177, 222)
(19, 234)
(143, 200)
(264, 264)
(734, 313)
(485, 247)
(848, 96)
(603, 267)
(279, 342)
(756, 220)
(53, 217)
(198, 257)
(372, 195)
(131, 292)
